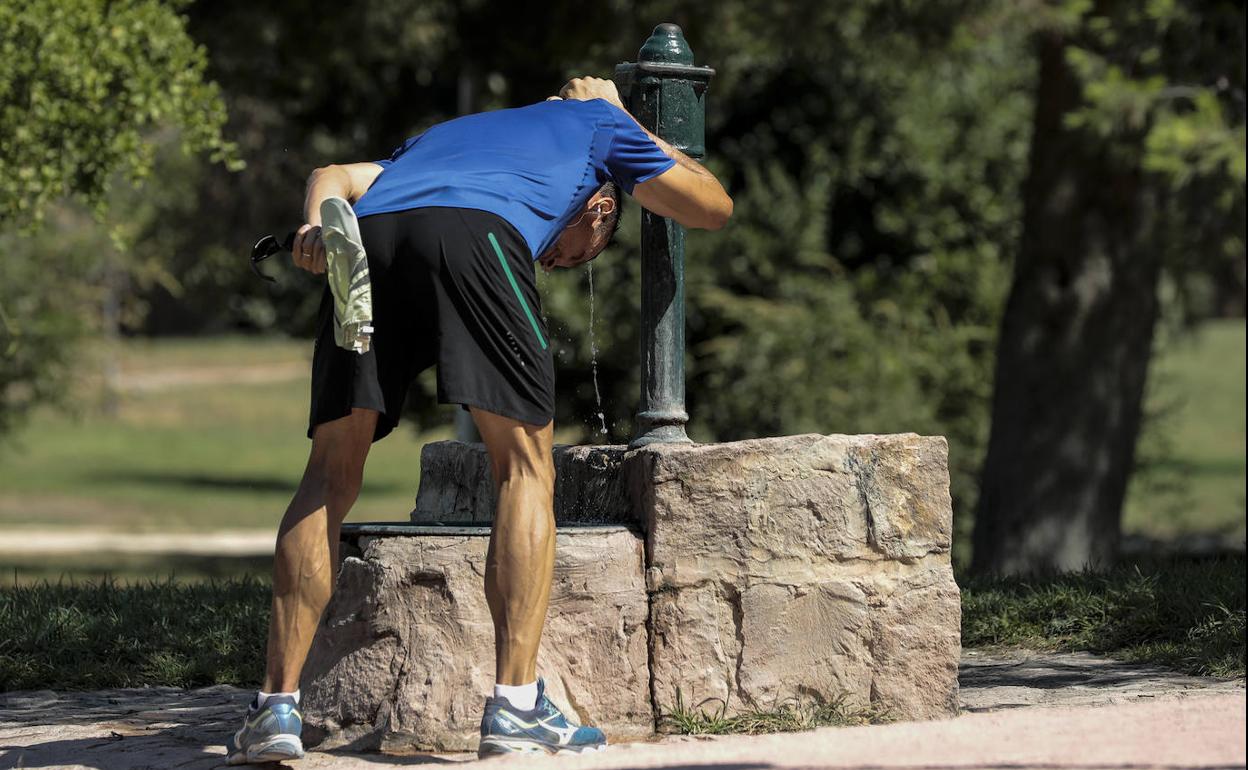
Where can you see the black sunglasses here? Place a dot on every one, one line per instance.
(267, 247)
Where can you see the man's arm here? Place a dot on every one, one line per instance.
(348, 181)
(686, 192)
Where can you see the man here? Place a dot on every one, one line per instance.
(451, 223)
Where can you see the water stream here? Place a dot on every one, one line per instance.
(593, 353)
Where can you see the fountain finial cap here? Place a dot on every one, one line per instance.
(666, 44)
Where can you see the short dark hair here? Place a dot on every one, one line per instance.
(612, 220)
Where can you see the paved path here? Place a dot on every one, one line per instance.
(173, 377)
(235, 542)
(994, 682)
(1024, 711)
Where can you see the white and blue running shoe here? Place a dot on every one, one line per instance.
(506, 729)
(269, 734)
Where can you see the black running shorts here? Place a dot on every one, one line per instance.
(452, 287)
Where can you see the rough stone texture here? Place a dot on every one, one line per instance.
(455, 485)
(404, 656)
(804, 566)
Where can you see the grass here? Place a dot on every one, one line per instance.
(1182, 614)
(789, 716)
(1192, 469)
(137, 568)
(70, 636)
(189, 455)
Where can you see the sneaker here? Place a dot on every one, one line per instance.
(269, 734)
(506, 729)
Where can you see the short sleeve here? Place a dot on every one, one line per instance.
(398, 152)
(632, 156)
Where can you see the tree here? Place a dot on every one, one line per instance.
(1138, 115)
(85, 86)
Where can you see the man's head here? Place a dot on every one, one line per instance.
(589, 232)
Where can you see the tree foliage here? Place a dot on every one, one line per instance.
(84, 82)
(86, 88)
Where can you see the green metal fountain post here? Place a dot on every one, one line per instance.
(665, 92)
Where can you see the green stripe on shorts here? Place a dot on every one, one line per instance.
(516, 288)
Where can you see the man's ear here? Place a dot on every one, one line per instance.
(605, 205)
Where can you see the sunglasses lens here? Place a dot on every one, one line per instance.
(264, 248)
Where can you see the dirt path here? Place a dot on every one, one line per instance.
(240, 542)
(1000, 681)
(170, 378)
(1023, 711)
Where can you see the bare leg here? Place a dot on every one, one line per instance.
(307, 543)
(521, 559)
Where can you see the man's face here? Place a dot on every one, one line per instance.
(584, 238)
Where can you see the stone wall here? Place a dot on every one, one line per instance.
(808, 567)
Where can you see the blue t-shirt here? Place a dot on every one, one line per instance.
(534, 166)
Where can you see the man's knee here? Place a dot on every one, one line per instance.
(336, 466)
(530, 463)
(337, 481)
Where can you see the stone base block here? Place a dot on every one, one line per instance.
(814, 568)
(455, 485)
(404, 655)
(802, 567)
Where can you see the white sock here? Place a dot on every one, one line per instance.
(521, 696)
(261, 697)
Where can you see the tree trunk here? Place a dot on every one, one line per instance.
(1074, 349)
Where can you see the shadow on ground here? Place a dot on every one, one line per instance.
(1013, 680)
(285, 484)
(54, 568)
(141, 728)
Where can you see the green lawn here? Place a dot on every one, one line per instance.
(184, 454)
(1183, 614)
(1191, 478)
(192, 446)
(85, 636)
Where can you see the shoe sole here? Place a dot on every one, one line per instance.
(493, 747)
(275, 749)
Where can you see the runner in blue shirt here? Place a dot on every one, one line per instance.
(453, 223)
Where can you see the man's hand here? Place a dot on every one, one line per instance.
(308, 251)
(347, 181)
(687, 192)
(584, 89)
